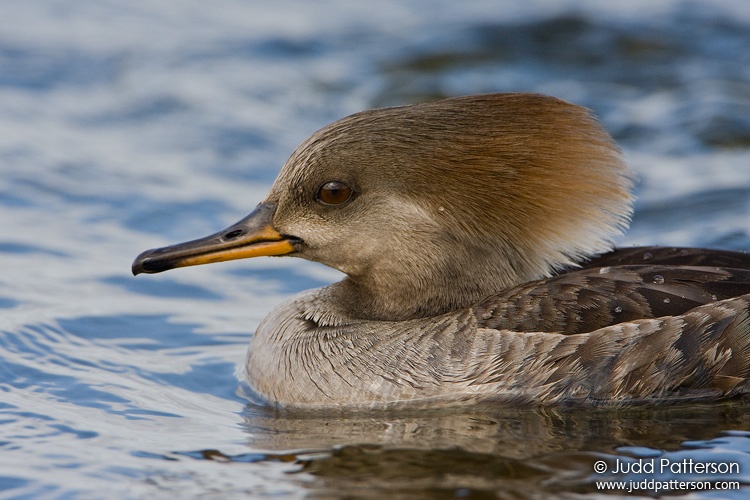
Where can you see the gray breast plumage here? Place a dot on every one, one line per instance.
(614, 332)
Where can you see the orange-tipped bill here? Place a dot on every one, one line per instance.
(253, 236)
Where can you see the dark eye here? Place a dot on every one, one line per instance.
(334, 193)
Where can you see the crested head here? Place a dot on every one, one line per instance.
(453, 200)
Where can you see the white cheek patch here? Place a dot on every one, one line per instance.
(405, 216)
(381, 229)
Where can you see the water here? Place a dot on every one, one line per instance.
(125, 126)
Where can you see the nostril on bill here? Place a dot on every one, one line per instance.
(233, 234)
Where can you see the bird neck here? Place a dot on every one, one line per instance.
(404, 297)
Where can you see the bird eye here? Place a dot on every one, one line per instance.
(334, 193)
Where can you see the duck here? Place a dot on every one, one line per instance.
(476, 235)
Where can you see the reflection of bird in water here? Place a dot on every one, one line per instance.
(464, 227)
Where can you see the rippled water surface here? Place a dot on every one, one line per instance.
(129, 125)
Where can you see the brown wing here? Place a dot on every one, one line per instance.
(665, 331)
(593, 298)
(669, 256)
